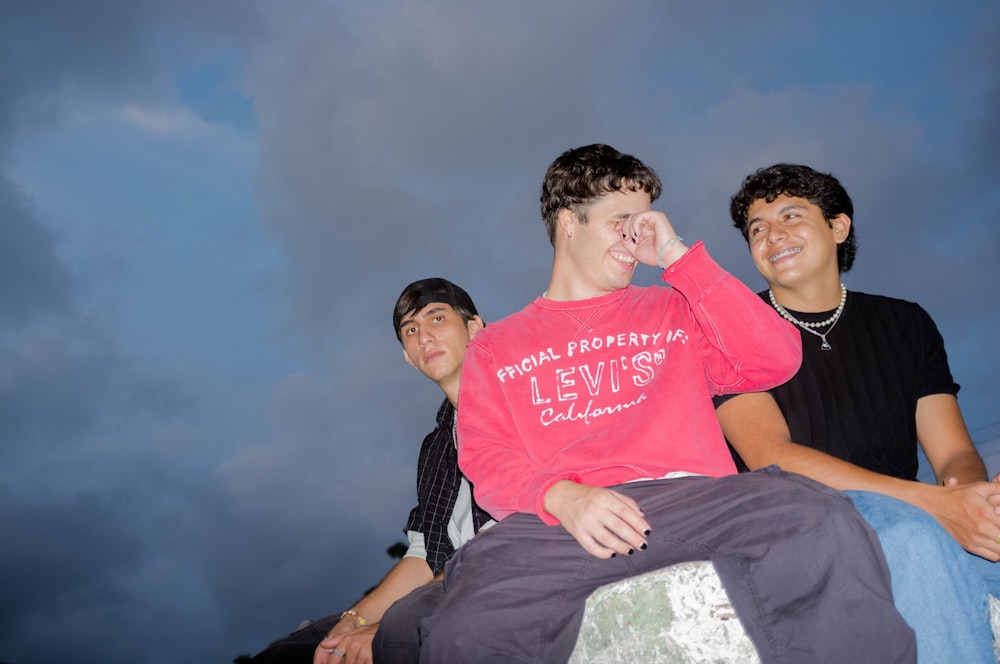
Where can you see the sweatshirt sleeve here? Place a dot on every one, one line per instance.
(747, 346)
(490, 451)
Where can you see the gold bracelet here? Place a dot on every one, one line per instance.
(354, 614)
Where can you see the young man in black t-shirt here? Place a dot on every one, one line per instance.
(874, 384)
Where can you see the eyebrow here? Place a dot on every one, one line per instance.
(750, 222)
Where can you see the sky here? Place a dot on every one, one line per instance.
(207, 210)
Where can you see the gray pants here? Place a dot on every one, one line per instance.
(398, 640)
(803, 570)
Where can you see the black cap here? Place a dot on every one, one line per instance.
(420, 293)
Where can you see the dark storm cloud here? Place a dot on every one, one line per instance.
(54, 50)
(90, 493)
(972, 79)
(32, 278)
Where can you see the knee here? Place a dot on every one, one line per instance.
(397, 625)
(805, 499)
(400, 625)
(903, 529)
(916, 535)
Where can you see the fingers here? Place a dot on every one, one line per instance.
(645, 233)
(329, 651)
(604, 522)
(971, 513)
(352, 648)
(639, 233)
(321, 655)
(987, 547)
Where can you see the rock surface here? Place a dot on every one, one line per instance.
(676, 615)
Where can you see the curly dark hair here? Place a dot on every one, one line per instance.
(580, 175)
(821, 189)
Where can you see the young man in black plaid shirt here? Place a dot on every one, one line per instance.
(434, 320)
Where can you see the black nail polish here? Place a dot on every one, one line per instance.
(644, 546)
(631, 551)
(646, 532)
(613, 555)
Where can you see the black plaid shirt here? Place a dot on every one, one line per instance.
(438, 483)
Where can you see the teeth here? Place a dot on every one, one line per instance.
(782, 254)
(625, 258)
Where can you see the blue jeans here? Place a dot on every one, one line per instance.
(939, 588)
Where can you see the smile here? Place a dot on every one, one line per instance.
(623, 257)
(784, 254)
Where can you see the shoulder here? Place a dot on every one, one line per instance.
(440, 439)
(885, 306)
(445, 414)
(505, 325)
(443, 423)
(892, 318)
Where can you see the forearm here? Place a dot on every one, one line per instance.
(724, 309)
(408, 574)
(755, 427)
(829, 470)
(966, 468)
(843, 475)
(945, 440)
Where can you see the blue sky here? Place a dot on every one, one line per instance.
(207, 210)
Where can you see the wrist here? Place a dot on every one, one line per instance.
(353, 615)
(671, 255)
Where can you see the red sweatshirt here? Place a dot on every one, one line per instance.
(615, 388)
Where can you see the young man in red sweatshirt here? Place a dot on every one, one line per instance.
(588, 430)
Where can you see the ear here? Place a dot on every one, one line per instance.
(409, 360)
(474, 326)
(567, 221)
(841, 225)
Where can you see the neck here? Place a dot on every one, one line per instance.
(451, 391)
(565, 285)
(562, 288)
(809, 298)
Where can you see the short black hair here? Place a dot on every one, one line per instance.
(422, 292)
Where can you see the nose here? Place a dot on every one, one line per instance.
(426, 337)
(775, 234)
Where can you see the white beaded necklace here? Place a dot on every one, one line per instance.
(809, 327)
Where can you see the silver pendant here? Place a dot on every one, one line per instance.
(826, 345)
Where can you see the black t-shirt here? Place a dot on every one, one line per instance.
(858, 400)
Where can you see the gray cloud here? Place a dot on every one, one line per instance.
(32, 278)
